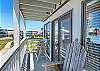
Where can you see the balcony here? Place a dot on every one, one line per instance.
(25, 56)
(64, 21)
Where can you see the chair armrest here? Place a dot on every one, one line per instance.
(52, 64)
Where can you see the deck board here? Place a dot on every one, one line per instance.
(38, 64)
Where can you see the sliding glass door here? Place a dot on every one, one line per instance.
(55, 47)
(65, 32)
(93, 35)
(47, 36)
(91, 19)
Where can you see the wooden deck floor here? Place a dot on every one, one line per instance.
(38, 64)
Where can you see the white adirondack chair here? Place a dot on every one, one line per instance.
(74, 59)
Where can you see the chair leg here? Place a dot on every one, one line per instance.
(36, 55)
(57, 68)
(46, 68)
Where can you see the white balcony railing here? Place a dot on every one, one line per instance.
(13, 58)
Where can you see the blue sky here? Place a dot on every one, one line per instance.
(35, 25)
(6, 17)
(6, 13)
(0, 13)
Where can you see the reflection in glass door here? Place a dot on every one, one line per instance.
(92, 34)
(45, 31)
(48, 38)
(65, 32)
(55, 39)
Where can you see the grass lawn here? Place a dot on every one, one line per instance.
(4, 42)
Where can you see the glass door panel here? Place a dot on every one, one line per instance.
(55, 39)
(48, 38)
(92, 37)
(65, 33)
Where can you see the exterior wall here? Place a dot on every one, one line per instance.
(76, 16)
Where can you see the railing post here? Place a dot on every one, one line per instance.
(16, 28)
(28, 62)
(0, 60)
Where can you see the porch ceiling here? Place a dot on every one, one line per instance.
(37, 9)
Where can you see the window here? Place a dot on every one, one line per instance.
(91, 22)
(65, 32)
(48, 38)
(55, 39)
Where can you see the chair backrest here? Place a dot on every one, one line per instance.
(75, 57)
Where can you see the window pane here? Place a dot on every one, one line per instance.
(55, 32)
(93, 35)
(48, 38)
(65, 33)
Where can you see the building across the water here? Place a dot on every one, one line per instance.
(6, 33)
(3, 32)
(10, 33)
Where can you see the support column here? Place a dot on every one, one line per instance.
(24, 25)
(24, 29)
(16, 28)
